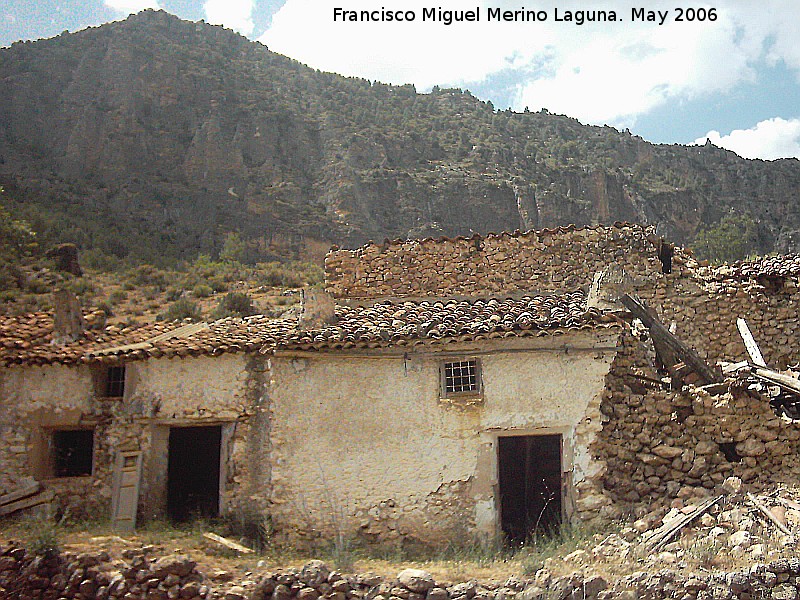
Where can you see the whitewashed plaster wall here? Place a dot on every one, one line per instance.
(364, 443)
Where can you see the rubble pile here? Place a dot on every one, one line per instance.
(90, 575)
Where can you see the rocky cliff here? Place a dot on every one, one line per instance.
(155, 137)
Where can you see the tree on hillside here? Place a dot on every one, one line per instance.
(17, 240)
(733, 238)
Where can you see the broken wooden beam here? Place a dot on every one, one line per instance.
(750, 343)
(667, 531)
(29, 487)
(228, 543)
(788, 503)
(661, 335)
(768, 514)
(785, 382)
(28, 502)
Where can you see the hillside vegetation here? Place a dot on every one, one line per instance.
(153, 140)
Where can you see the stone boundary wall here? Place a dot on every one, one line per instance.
(705, 317)
(86, 576)
(563, 259)
(659, 446)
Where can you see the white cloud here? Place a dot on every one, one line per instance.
(598, 72)
(770, 139)
(128, 7)
(235, 14)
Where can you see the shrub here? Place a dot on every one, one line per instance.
(44, 540)
(234, 304)
(182, 309)
(201, 290)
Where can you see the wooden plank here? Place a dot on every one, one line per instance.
(750, 343)
(28, 488)
(786, 382)
(125, 490)
(29, 502)
(228, 543)
(788, 503)
(734, 367)
(768, 513)
(660, 334)
(667, 532)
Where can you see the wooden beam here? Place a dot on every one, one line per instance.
(768, 513)
(27, 503)
(28, 488)
(228, 543)
(786, 382)
(750, 343)
(667, 531)
(661, 335)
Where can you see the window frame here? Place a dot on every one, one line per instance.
(443, 377)
(115, 381)
(54, 464)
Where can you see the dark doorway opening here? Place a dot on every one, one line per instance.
(530, 485)
(193, 472)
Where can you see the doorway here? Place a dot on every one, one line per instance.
(529, 476)
(193, 472)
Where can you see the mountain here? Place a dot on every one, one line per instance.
(154, 138)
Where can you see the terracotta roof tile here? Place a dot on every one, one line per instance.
(27, 339)
(782, 265)
(406, 323)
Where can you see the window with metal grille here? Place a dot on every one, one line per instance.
(115, 382)
(461, 377)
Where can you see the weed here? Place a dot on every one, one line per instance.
(42, 536)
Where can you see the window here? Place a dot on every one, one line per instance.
(115, 382)
(461, 377)
(72, 452)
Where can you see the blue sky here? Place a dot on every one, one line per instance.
(734, 79)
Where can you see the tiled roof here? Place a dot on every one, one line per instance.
(408, 323)
(27, 340)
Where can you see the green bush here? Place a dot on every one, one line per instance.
(174, 293)
(180, 310)
(234, 304)
(149, 275)
(201, 290)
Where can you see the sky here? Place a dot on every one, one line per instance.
(727, 70)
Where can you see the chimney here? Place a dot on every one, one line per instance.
(68, 323)
(318, 309)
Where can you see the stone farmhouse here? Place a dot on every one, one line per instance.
(438, 390)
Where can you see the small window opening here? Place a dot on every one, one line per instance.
(728, 450)
(115, 382)
(461, 377)
(72, 452)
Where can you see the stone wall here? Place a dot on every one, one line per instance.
(703, 306)
(536, 261)
(658, 446)
(138, 575)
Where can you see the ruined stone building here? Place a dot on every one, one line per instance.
(440, 390)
